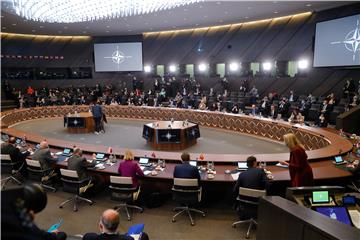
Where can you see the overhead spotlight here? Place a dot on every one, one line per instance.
(267, 66)
(172, 68)
(202, 67)
(233, 66)
(303, 64)
(147, 68)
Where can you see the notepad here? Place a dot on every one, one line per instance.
(355, 217)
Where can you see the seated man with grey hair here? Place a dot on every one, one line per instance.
(108, 227)
(79, 164)
(43, 155)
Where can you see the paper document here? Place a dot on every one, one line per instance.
(355, 217)
(147, 172)
(235, 176)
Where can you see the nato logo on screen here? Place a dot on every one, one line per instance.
(337, 42)
(118, 57)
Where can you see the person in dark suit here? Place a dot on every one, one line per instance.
(43, 155)
(97, 113)
(78, 163)
(185, 170)
(273, 113)
(253, 177)
(16, 155)
(108, 226)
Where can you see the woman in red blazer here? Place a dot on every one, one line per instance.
(300, 171)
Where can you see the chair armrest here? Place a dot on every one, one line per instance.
(123, 189)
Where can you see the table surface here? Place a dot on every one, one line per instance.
(173, 125)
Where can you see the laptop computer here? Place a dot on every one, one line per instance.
(100, 156)
(339, 160)
(143, 161)
(339, 213)
(66, 152)
(18, 141)
(242, 166)
(193, 163)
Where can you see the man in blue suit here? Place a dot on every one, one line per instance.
(185, 170)
(97, 113)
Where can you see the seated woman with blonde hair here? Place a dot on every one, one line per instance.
(130, 168)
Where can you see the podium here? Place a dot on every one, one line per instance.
(167, 135)
(79, 123)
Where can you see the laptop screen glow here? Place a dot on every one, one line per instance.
(320, 197)
(143, 160)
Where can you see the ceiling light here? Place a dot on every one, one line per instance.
(308, 5)
(202, 67)
(267, 66)
(234, 66)
(14, 24)
(70, 11)
(147, 68)
(172, 68)
(303, 64)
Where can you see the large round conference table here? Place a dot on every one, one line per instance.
(321, 145)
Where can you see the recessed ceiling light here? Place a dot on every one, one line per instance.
(246, 17)
(107, 31)
(276, 12)
(107, 26)
(308, 5)
(14, 24)
(205, 16)
(129, 30)
(41, 26)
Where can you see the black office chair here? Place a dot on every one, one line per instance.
(123, 191)
(248, 200)
(72, 184)
(12, 168)
(187, 193)
(36, 173)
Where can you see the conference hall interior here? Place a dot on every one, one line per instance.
(181, 119)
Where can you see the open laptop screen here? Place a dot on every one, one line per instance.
(100, 156)
(338, 159)
(143, 161)
(320, 197)
(193, 163)
(67, 151)
(338, 213)
(242, 165)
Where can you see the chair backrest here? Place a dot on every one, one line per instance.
(69, 173)
(186, 182)
(33, 163)
(121, 180)
(249, 192)
(5, 157)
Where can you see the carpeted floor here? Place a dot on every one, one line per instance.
(128, 134)
(158, 225)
